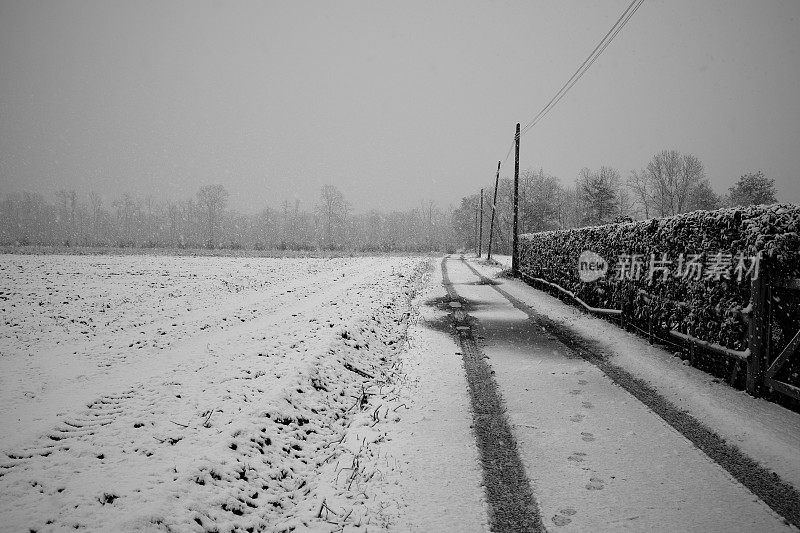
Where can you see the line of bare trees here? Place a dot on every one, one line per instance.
(206, 221)
(670, 183)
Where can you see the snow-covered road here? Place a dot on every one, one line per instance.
(598, 458)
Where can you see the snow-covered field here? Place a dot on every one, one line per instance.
(159, 393)
(206, 393)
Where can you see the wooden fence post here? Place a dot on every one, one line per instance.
(759, 332)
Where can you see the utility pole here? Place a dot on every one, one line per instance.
(480, 228)
(494, 204)
(475, 237)
(515, 250)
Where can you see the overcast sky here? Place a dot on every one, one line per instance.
(392, 102)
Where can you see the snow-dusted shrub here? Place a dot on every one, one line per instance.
(707, 308)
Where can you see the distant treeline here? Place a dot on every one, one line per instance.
(670, 184)
(204, 221)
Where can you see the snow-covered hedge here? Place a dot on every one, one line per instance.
(706, 308)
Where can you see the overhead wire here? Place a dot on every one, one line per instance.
(582, 72)
(607, 39)
(510, 149)
(563, 88)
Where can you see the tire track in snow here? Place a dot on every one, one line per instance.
(512, 506)
(780, 496)
(68, 386)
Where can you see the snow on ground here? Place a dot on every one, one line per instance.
(439, 486)
(503, 260)
(205, 394)
(598, 459)
(243, 394)
(766, 432)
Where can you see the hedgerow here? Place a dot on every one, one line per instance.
(707, 308)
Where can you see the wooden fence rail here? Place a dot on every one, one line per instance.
(762, 369)
(768, 368)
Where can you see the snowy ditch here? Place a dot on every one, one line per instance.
(200, 394)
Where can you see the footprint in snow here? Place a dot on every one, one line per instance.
(577, 457)
(587, 437)
(577, 418)
(562, 518)
(587, 405)
(595, 483)
(582, 382)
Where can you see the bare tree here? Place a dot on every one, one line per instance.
(639, 184)
(599, 195)
(429, 207)
(173, 212)
(672, 183)
(463, 222)
(212, 199)
(333, 208)
(96, 205)
(189, 233)
(28, 219)
(285, 224)
(567, 208)
(67, 209)
(673, 176)
(540, 194)
(125, 207)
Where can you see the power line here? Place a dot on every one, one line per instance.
(581, 70)
(577, 71)
(587, 63)
(510, 149)
(601, 46)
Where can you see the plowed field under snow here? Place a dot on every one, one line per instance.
(195, 393)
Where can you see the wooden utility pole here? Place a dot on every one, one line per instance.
(475, 237)
(480, 228)
(494, 205)
(515, 246)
